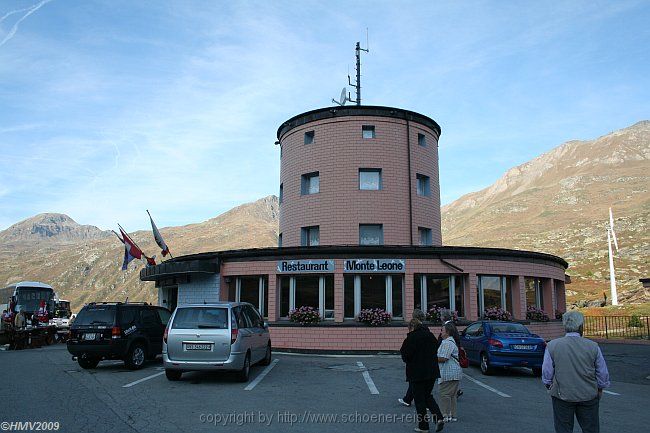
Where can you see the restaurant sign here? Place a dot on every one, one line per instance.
(305, 266)
(374, 265)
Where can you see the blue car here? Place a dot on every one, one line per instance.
(492, 344)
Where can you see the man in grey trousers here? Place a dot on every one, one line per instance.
(575, 373)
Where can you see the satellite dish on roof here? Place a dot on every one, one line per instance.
(342, 99)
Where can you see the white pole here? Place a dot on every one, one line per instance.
(612, 277)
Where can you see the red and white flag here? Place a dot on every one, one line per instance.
(158, 237)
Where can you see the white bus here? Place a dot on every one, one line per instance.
(26, 296)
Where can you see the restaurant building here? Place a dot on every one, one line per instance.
(360, 228)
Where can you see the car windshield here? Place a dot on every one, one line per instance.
(103, 315)
(509, 328)
(201, 317)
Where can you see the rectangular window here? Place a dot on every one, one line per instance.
(281, 193)
(422, 140)
(425, 236)
(310, 236)
(310, 183)
(285, 290)
(253, 290)
(316, 291)
(534, 296)
(370, 178)
(373, 291)
(368, 131)
(348, 296)
(366, 291)
(309, 137)
(444, 291)
(398, 295)
(423, 185)
(371, 234)
(280, 240)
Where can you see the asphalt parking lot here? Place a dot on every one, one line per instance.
(296, 392)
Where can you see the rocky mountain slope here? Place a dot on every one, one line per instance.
(89, 269)
(48, 228)
(558, 203)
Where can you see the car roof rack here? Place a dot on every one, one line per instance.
(118, 303)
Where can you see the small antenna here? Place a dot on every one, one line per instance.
(357, 84)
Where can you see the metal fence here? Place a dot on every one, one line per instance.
(629, 327)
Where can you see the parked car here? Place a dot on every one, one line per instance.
(492, 344)
(132, 332)
(221, 336)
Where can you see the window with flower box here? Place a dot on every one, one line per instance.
(367, 291)
(444, 291)
(494, 291)
(534, 294)
(315, 291)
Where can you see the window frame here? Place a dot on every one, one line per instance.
(381, 235)
(422, 139)
(281, 193)
(309, 137)
(425, 190)
(388, 287)
(452, 289)
(371, 170)
(322, 286)
(503, 292)
(305, 236)
(429, 234)
(262, 292)
(368, 128)
(305, 183)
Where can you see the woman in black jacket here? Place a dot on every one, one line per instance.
(420, 353)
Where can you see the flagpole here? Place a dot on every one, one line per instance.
(131, 239)
(168, 252)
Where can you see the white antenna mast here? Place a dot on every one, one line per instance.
(611, 235)
(357, 84)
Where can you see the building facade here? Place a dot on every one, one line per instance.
(360, 228)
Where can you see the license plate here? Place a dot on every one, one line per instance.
(522, 347)
(90, 336)
(198, 346)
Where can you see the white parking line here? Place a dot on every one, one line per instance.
(366, 375)
(128, 385)
(610, 392)
(488, 387)
(259, 378)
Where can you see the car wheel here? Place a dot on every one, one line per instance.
(267, 357)
(537, 372)
(173, 375)
(87, 363)
(136, 356)
(485, 365)
(246, 369)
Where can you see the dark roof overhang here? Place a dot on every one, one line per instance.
(175, 267)
(356, 110)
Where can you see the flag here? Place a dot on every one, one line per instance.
(131, 250)
(158, 237)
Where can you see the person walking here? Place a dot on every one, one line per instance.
(575, 374)
(407, 400)
(447, 317)
(450, 372)
(419, 352)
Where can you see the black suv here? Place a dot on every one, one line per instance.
(132, 332)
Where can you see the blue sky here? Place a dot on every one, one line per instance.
(108, 108)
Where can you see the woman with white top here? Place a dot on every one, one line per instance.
(450, 372)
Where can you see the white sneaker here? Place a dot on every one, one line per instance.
(453, 419)
(401, 401)
(419, 430)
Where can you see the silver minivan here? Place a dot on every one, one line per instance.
(219, 336)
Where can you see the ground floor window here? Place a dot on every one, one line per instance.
(444, 291)
(494, 291)
(534, 296)
(315, 291)
(253, 289)
(373, 291)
